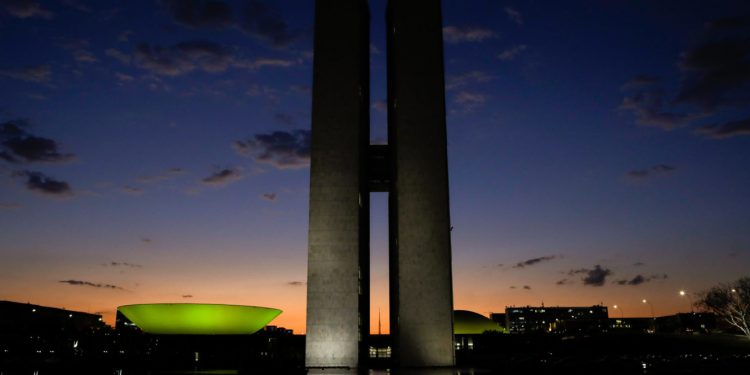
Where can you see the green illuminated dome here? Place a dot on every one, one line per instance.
(198, 318)
(470, 323)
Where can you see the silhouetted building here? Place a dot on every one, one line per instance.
(32, 333)
(564, 320)
(412, 169)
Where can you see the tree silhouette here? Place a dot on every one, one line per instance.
(730, 302)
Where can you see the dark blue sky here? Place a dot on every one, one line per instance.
(156, 150)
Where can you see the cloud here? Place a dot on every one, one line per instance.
(258, 19)
(594, 277)
(716, 73)
(271, 197)
(167, 174)
(132, 190)
(640, 279)
(640, 81)
(223, 177)
(186, 57)
(638, 264)
(715, 76)
(281, 149)
(124, 264)
(118, 55)
(38, 73)
(563, 282)
(463, 79)
(296, 283)
(88, 283)
(469, 100)
(527, 287)
(514, 15)
(183, 58)
(512, 52)
(648, 107)
(124, 36)
(456, 34)
(284, 118)
(17, 145)
(200, 13)
(79, 48)
(533, 261)
(187, 296)
(43, 184)
(512, 287)
(262, 21)
(122, 77)
(726, 130)
(26, 9)
(659, 169)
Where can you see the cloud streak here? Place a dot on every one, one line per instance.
(223, 177)
(18, 146)
(281, 149)
(467, 34)
(656, 170)
(88, 283)
(533, 261)
(42, 184)
(596, 276)
(37, 73)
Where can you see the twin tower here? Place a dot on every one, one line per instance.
(412, 168)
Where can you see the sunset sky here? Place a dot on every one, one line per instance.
(156, 151)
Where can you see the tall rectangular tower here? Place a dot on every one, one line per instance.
(338, 255)
(412, 168)
(420, 249)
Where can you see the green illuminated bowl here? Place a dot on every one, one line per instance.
(470, 323)
(198, 318)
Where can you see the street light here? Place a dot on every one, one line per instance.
(652, 307)
(622, 315)
(690, 299)
(653, 316)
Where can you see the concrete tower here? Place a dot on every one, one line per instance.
(345, 169)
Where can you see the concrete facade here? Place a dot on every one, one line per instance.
(412, 168)
(338, 253)
(420, 245)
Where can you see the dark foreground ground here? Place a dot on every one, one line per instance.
(490, 354)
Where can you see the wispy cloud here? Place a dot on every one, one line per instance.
(123, 264)
(726, 130)
(271, 197)
(40, 183)
(26, 9)
(36, 73)
(656, 170)
(17, 145)
(167, 174)
(514, 15)
(281, 149)
(533, 261)
(468, 101)
(464, 34)
(459, 80)
(88, 283)
(223, 177)
(512, 52)
(640, 279)
(295, 283)
(258, 19)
